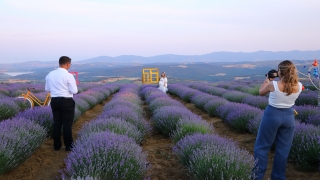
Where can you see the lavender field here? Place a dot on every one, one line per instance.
(201, 122)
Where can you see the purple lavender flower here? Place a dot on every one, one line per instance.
(8, 108)
(191, 125)
(240, 115)
(129, 96)
(163, 101)
(200, 99)
(165, 118)
(314, 120)
(211, 106)
(235, 87)
(256, 101)
(115, 125)
(77, 114)
(234, 96)
(81, 104)
(106, 156)
(92, 101)
(128, 115)
(19, 138)
(39, 115)
(4, 92)
(305, 111)
(186, 146)
(307, 98)
(99, 96)
(155, 95)
(254, 124)
(305, 146)
(211, 90)
(119, 103)
(221, 162)
(254, 90)
(22, 103)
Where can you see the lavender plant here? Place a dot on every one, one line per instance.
(256, 101)
(305, 147)
(200, 99)
(92, 101)
(221, 162)
(39, 115)
(161, 102)
(254, 124)
(165, 118)
(305, 111)
(189, 126)
(154, 96)
(211, 106)
(119, 103)
(307, 98)
(185, 147)
(106, 156)
(115, 125)
(313, 119)
(19, 138)
(8, 108)
(128, 115)
(22, 103)
(240, 115)
(234, 96)
(81, 104)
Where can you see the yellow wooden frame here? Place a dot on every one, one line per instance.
(150, 76)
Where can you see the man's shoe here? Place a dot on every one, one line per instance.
(57, 148)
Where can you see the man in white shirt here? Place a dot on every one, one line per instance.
(62, 86)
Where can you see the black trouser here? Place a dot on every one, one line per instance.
(63, 115)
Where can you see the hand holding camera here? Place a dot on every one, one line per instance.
(272, 74)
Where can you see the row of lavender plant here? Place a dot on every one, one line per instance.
(107, 147)
(10, 106)
(206, 155)
(307, 97)
(305, 148)
(22, 134)
(16, 89)
(307, 113)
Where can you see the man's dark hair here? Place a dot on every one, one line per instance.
(64, 60)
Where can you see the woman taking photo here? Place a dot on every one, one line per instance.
(278, 121)
(163, 83)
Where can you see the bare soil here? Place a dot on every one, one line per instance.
(164, 164)
(45, 163)
(246, 141)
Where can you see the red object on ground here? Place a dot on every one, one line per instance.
(303, 87)
(77, 77)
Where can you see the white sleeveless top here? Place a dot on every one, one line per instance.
(280, 99)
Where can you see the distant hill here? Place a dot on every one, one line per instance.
(202, 71)
(212, 57)
(130, 60)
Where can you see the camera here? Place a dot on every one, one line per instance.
(272, 74)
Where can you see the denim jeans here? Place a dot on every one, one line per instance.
(277, 126)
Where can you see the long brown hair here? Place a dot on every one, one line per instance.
(288, 75)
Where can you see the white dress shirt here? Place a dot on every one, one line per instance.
(61, 83)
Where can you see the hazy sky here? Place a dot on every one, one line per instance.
(47, 29)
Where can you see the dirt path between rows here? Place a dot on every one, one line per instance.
(164, 164)
(45, 163)
(246, 141)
